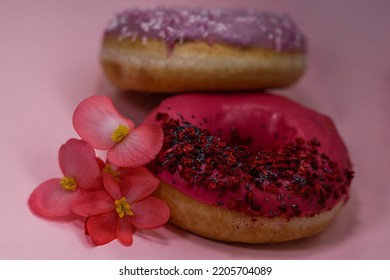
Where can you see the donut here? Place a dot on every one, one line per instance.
(249, 167)
(172, 50)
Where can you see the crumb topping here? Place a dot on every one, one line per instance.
(293, 180)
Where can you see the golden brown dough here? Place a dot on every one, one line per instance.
(149, 66)
(226, 225)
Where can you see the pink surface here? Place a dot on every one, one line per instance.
(49, 63)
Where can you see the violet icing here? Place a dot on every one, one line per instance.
(235, 27)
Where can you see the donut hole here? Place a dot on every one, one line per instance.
(252, 127)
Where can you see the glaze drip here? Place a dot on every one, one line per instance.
(293, 180)
(239, 27)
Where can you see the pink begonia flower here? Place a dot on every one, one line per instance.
(55, 198)
(117, 171)
(112, 213)
(98, 123)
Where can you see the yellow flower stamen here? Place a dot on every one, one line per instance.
(68, 183)
(120, 133)
(123, 208)
(107, 168)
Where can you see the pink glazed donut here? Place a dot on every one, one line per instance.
(178, 50)
(249, 167)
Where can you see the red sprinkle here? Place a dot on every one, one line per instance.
(295, 169)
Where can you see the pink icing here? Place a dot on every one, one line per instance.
(236, 27)
(268, 121)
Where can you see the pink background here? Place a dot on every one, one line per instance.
(49, 63)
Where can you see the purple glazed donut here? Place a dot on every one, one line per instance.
(178, 50)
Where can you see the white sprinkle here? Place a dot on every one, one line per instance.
(157, 25)
(184, 13)
(221, 27)
(246, 19)
(145, 26)
(134, 36)
(124, 35)
(112, 24)
(124, 29)
(216, 12)
(122, 19)
(170, 29)
(279, 31)
(192, 19)
(161, 34)
(144, 40)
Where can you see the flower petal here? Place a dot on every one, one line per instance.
(124, 231)
(94, 203)
(150, 213)
(51, 200)
(111, 185)
(138, 184)
(139, 147)
(95, 120)
(116, 171)
(77, 159)
(102, 228)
